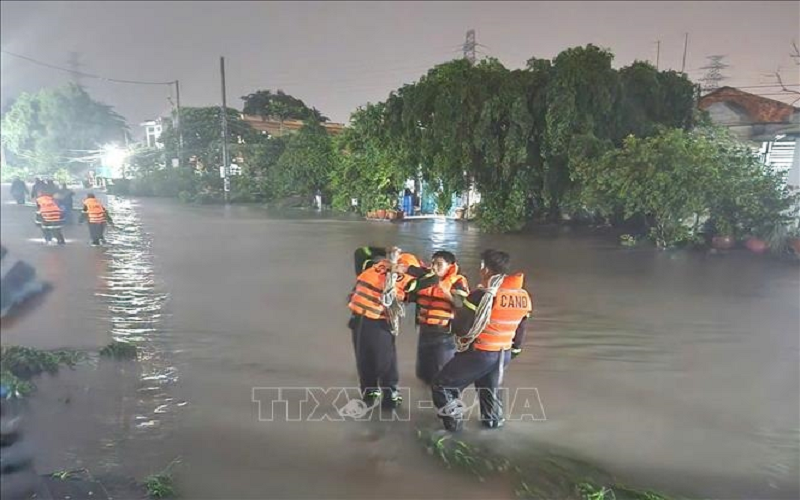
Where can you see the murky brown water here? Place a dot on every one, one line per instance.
(671, 370)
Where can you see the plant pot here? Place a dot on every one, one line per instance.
(391, 214)
(400, 215)
(756, 245)
(794, 244)
(459, 213)
(722, 242)
(380, 214)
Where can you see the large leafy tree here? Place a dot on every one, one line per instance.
(306, 163)
(59, 128)
(280, 106)
(370, 166)
(202, 135)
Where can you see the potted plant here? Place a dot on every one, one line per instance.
(380, 213)
(723, 238)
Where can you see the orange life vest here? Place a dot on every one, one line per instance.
(366, 297)
(95, 212)
(48, 209)
(511, 304)
(433, 308)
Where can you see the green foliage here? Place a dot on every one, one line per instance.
(305, 164)
(676, 178)
(369, 166)
(119, 350)
(17, 387)
(279, 106)
(18, 365)
(53, 128)
(161, 484)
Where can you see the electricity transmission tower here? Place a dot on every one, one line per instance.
(469, 47)
(713, 76)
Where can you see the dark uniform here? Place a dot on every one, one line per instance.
(435, 343)
(480, 363)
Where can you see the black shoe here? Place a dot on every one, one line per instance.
(370, 396)
(493, 424)
(392, 398)
(452, 424)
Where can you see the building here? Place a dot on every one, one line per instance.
(771, 127)
(152, 132)
(277, 128)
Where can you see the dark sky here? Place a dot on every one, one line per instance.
(339, 55)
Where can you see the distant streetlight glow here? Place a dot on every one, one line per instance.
(114, 159)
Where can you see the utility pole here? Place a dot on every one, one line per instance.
(178, 125)
(685, 48)
(225, 162)
(75, 66)
(658, 53)
(469, 47)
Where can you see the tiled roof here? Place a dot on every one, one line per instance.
(273, 127)
(759, 109)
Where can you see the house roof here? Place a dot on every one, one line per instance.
(758, 109)
(273, 127)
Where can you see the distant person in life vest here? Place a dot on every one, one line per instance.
(49, 217)
(97, 216)
(489, 329)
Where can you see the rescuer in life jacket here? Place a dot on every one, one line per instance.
(97, 217)
(373, 306)
(49, 217)
(437, 293)
(489, 329)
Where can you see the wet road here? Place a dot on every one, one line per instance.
(672, 370)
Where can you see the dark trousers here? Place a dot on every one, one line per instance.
(96, 232)
(20, 197)
(50, 232)
(481, 368)
(376, 354)
(434, 350)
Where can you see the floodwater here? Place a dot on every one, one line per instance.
(670, 370)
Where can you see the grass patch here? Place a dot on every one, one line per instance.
(26, 362)
(119, 350)
(541, 477)
(161, 484)
(16, 387)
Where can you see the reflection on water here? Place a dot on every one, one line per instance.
(135, 306)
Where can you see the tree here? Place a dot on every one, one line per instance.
(306, 163)
(60, 128)
(279, 106)
(202, 135)
(369, 165)
(675, 180)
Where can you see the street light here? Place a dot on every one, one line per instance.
(114, 158)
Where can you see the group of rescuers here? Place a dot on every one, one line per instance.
(465, 337)
(53, 210)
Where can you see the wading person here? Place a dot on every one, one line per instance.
(437, 294)
(374, 303)
(49, 218)
(96, 215)
(488, 328)
(19, 190)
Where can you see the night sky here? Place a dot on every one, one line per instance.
(339, 55)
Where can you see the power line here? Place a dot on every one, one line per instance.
(85, 75)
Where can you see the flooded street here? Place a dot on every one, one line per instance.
(671, 370)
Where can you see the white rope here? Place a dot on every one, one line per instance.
(394, 308)
(482, 314)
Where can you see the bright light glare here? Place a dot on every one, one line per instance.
(114, 158)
